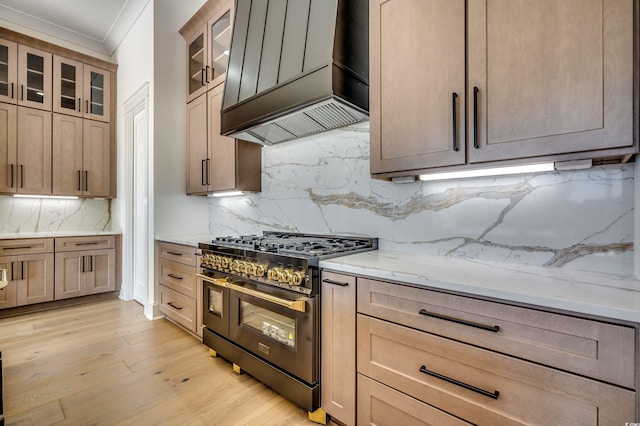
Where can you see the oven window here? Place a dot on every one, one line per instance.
(215, 301)
(271, 324)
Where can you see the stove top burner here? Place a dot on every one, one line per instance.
(305, 245)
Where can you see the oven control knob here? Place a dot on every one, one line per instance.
(234, 265)
(260, 270)
(273, 274)
(296, 278)
(284, 276)
(224, 261)
(251, 268)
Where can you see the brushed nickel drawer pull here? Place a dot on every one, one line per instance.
(174, 277)
(174, 306)
(492, 395)
(332, 282)
(173, 253)
(493, 329)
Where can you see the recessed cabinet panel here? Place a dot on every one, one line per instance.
(223, 149)
(552, 76)
(96, 159)
(8, 147)
(67, 155)
(197, 164)
(418, 84)
(101, 271)
(35, 284)
(70, 275)
(8, 71)
(33, 171)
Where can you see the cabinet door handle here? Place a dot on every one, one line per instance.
(208, 172)
(79, 105)
(90, 263)
(82, 267)
(12, 178)
(202, 76)
(454, 96)
(475, 117)
(22, 92)
(86, 180)
(492, 395)
(175, 277)
(207, 73)
(174, 306)
(22, 270)
(332, 282)
(79, 180)
(202, 172)
(12, 94)
(12, 273)
(86, 103)
(174, 253)
(21, 176)
(494, 328)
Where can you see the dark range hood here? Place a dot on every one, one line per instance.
(296, 68)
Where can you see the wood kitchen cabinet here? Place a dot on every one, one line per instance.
(29, 265)
(208, 37)
(338, 348)
(84, 266)
(8, 71)
(25, 144)
(81, 157)
(550, 80)
(81, 90)
(180, 295)
(214, 162)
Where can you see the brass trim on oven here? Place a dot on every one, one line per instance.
(298, 305)
(220, 282)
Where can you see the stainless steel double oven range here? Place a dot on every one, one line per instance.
(261, 305)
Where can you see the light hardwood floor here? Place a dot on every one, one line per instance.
(104, 363)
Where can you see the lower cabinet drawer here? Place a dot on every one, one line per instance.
(587, 347)
(481, 386)
(178, 307)
(178, 276)
(381, 405)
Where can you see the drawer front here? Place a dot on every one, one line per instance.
(484, 387)
(26, 246)
(94, 242)
(178, 307)
(381, 405)
(179, 277)
(591, 348)
(178, 253)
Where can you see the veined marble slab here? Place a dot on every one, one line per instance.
(576, 291)
(577, 220)
(186, 240)
(57, 234)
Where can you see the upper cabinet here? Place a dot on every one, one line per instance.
(215, 163)
(25, 75)
(8, 71)
(81, 90)
(208, 48)
(545, 81)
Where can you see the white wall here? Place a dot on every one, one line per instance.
(175, 213)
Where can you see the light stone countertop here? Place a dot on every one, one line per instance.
(571, 290)
(186, 240)
(54, 234)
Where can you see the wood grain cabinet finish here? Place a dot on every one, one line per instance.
(34, 78)
(81, 157)
(215, 163)
(84, 266)
(30, 271)
(338, 348)
(8, 71)
(180, 291)
(547, 80)
(81, 90)
(8, 147)
(596, 349)
(481, 386)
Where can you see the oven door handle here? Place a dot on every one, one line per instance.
(220, 282)
(298, 305)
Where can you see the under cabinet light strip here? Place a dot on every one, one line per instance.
(226, 194)
(48, 197)
(497, 171)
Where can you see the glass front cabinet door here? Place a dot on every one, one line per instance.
(97, 90)
(8, 71)
(34, 78)
(196, 63)
(219, 44)
(67, 86)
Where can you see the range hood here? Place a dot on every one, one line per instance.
(296, 68)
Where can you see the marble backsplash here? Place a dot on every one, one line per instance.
(25, 215)
(321, 184)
